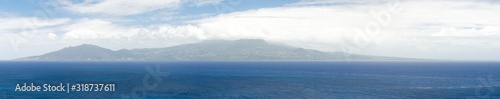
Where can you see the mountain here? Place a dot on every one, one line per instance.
(82, 52)
(245, 49)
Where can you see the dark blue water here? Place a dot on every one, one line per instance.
(259, 79)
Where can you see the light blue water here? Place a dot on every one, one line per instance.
(259, 79)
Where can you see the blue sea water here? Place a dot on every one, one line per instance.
(259, 79)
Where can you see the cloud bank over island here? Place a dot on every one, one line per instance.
(445, 29)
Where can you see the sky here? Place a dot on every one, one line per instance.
(427, 29)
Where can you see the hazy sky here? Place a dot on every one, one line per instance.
(435, 29)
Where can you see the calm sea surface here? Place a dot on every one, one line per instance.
(258, 79)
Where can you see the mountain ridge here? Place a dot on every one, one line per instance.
(243, 49)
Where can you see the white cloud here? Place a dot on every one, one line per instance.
(322, 27)
(129, 7)
(120, 7)
(10, 24)
(204, 2)
(52, 36)
(338, 2)
(96, 29)
(487, 31)
(317, 27)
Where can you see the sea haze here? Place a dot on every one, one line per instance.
(259, 79)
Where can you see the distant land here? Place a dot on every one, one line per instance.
(244, 49)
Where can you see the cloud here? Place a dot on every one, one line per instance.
(480, 32)
(129, 7)
(52, 36)
(88, 29)
(338, 2)
(204, 2)
(120, 7)
(318, 27)
(11, 24)
(328, 27)
(441, 29)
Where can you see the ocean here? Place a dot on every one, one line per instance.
(257, 79)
